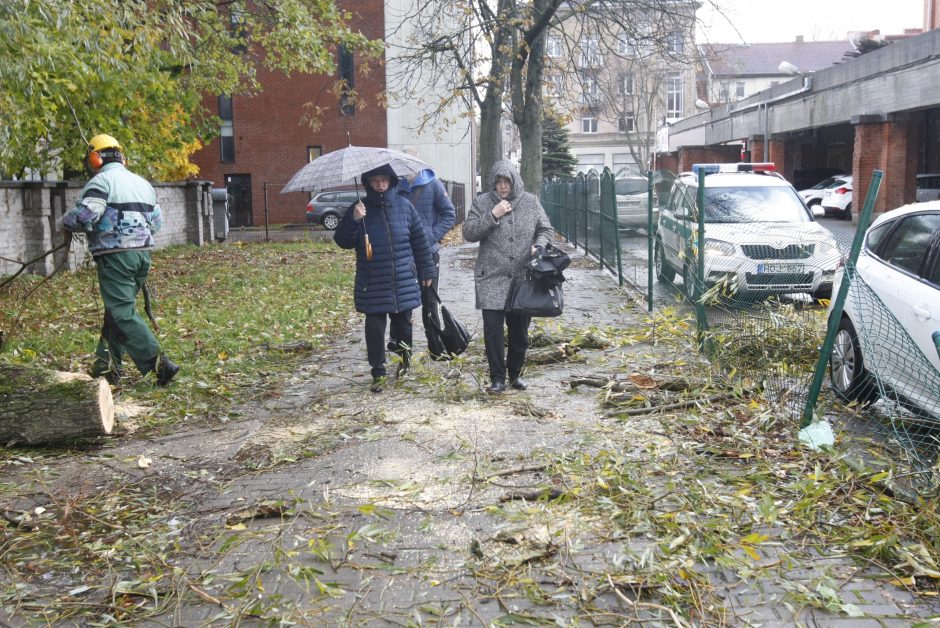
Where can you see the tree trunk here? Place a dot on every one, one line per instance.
(490, 115)
(39, 406)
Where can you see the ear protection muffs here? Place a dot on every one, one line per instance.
(95, 160)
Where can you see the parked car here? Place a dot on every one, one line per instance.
(760, 238)
(813, 196)
(808, 177)
(633, 203)
(928, 187)
(889, 329)
(838, 200)
(327, 208)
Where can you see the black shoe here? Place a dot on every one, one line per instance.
(518, 383)
(496, 388)
(378, 384)
(392, 346)
(165, 370)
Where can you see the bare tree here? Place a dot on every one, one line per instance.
(490, 55)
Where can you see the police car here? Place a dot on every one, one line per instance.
(760, 238)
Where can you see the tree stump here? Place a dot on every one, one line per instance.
(39, 406)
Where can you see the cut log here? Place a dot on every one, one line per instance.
(39, 406)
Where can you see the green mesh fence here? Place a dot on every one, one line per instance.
(756, 273)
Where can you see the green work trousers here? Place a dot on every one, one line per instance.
(120, 277)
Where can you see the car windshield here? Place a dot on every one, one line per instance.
(630, 186)
(825, 183)
(754, 204)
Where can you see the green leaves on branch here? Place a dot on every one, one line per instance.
(140, 70)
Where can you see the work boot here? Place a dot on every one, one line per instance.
(165, 370)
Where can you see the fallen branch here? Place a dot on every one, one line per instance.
(672, 614)
(672, 406)
(548, 494)
(512, 471)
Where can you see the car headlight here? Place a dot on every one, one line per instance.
(719, 247)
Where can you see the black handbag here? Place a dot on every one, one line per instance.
(447, 337)
(528, 296)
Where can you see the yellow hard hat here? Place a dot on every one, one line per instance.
(103, 141)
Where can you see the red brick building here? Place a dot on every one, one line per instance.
(265, 139)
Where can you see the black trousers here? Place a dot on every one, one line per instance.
(375, 338)
(393, 343)
(499, 358)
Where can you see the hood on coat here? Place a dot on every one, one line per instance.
(505, 168)
(384, 169)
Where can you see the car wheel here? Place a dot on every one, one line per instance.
(664, 272)
(847, 214)
(847, 373)
(330, 221)
(822, 293)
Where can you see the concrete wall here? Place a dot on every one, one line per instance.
(29, 211)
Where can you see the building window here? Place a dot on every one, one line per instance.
(675, 42)
(673, 96)
(774, 83)
(348, 79)
(625, 44)
(590, 53)
(586, 163)
(624, 165)
(724, 89)
(739, 89)
(227, 131)
(313, 152)
(626, 85)
(556, 85)
(588, 91)
(626, 123)
(552, 47)
(589, 124)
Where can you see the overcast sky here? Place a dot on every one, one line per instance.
(816, 20)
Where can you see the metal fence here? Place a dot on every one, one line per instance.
(772, 325)
(269, 231)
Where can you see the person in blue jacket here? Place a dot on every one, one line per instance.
(393, 260)
(427, 193)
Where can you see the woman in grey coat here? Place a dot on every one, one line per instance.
(511, 227)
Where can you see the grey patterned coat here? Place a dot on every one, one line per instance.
(505, 245)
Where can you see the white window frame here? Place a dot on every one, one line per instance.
(589, 124)
(675, 42)
(740, 89)
(588, 90)
(625, 44)
(627, 84)
(552, 47)
(673, 84)
(627, 122)
(590, 52)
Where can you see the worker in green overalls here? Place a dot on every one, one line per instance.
(119, 213)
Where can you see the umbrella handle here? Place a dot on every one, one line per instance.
(368, 249)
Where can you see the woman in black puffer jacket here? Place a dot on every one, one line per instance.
(387, 286)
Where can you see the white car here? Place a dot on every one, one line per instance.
(813, 196)
(760, 239)
(838, 200)
(889, 331)
(633, 203)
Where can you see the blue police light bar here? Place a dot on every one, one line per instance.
(765, 166)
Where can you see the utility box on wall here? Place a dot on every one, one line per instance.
(220, 203)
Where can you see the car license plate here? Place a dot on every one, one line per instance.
(780, 268)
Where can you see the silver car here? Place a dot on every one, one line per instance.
(633, 203)
(327, 208)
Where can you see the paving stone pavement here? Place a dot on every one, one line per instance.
(368, 509)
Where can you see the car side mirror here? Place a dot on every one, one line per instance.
(936, 341)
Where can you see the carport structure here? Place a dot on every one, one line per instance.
(880, 110)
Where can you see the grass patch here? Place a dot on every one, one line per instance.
(223, 311)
